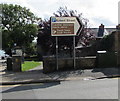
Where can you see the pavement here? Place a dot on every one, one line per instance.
(36, 75)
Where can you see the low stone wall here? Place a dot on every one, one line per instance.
(86, 62)
(49, 63)
(102, 60)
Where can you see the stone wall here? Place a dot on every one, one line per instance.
(49, 63)
(112, 46)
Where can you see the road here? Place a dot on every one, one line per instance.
(82, 89)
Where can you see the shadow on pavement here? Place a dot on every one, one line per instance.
(30, 87)
(38, 74)
(65, 74)
(107, 71)
(28, 75)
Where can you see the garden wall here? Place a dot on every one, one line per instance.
(49, 63)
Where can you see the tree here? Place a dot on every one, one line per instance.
(47, 42)
(18, 26)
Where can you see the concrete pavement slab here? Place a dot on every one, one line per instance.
(37, 76)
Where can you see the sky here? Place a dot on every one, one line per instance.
(2, 53)
(96, 11)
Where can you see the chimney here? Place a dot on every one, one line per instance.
(118, 27)
(101, 30)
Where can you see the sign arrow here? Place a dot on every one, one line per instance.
(65, 26)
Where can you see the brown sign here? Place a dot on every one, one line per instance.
(65, 26)
(62, 28)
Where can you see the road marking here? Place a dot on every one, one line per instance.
(21, 85)
(9, 85)
(116, 78)
(89, 78)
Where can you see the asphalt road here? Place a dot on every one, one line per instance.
(82, 89)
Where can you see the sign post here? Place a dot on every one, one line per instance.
(57, 52)
(65, 26)
(74, 54)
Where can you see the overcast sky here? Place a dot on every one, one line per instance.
(97, 11)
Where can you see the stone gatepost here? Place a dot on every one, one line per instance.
(118, 48)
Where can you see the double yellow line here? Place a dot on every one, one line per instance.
(1, 86)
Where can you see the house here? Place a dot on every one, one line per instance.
(107, 31)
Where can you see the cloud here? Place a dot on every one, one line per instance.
(119, 13)
(12, 1)
(97, 11)
(102, 20)
(24, 3)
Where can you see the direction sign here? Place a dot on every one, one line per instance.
(65, 26)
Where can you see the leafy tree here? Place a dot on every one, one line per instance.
(47, 43)
(18, 26)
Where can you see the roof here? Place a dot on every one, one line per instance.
(107, 31)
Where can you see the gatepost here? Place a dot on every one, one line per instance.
(17, 59)
(117, 38)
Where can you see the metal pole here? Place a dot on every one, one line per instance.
(57, 52)
(74, 55)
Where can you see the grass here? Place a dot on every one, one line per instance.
(29, 65)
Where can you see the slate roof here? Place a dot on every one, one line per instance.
(107, 31)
